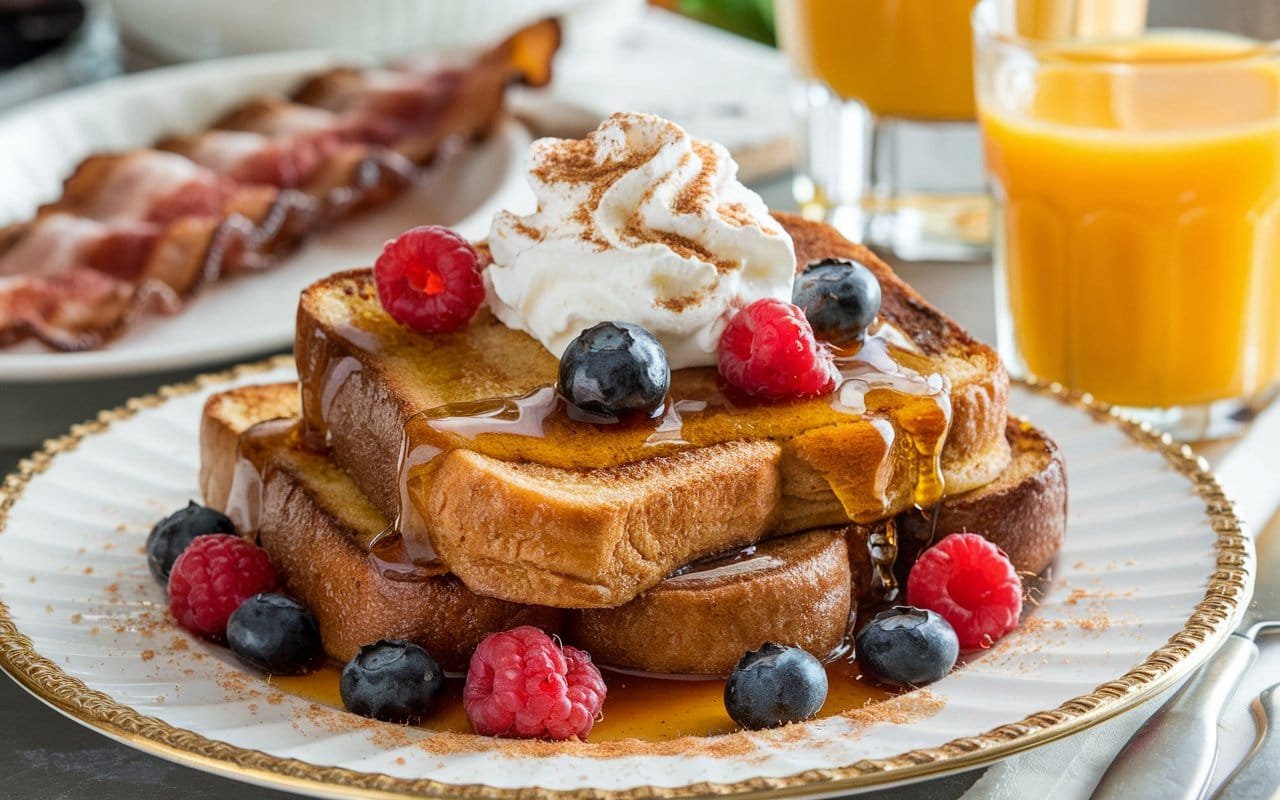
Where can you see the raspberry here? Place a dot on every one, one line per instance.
(972, 584)
(768, 350)
(212, 577)
(522, 684)
(428, 279)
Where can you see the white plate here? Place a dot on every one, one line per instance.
(1152, 576)
(42, 142)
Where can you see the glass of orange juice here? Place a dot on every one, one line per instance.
(1137, 187)
(889, 149)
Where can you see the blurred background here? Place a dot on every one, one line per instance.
(859, 112)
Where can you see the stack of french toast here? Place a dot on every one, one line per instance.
(436, 487)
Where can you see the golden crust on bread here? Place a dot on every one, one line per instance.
(598, 538)
(307, 508)
(364, 378)
(228, 414)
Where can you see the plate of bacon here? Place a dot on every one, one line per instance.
(167, 220)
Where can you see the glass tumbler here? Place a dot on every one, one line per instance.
(889, 152)
(1136, 180)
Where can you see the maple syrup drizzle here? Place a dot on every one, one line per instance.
(882, 545)
(656, 708)
(743, 561)
(541, 427)
(403, 551)
(244, 501)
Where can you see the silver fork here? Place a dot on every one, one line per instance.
(1258, 776)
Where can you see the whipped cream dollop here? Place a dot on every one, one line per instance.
(639, 222)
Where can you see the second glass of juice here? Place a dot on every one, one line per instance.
(1137, 182)
(890, 153)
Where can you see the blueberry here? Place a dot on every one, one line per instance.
(908, 646)
(275, 634)
(391, 680)
(172, 534)
(775, 685)
(614, 368)
(840, 298)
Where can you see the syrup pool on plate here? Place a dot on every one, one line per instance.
(637, 707)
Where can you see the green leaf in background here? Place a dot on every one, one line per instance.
(750, 18)
(765, 9)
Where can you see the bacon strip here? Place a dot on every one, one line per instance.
(139, 232)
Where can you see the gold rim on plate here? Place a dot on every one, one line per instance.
(1225, 596)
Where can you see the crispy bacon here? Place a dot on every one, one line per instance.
(78, 309)
(287, 145)
(398, 100)
(58, 242)
(413, 114)
(286, 162)
(138, 232)
(148, 213)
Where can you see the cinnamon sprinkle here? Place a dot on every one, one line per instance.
(735, 214)
(525, 230)
(691, 199)
(576, 162)
(679, 304)
(903, 709)
(633, 231)
(729, 745)
(696, 194)
(685, 247)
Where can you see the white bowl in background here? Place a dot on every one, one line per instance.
(184, 31)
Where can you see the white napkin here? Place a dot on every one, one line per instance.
(1068, 768)
(1072, 767)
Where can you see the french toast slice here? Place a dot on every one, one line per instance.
(793, 590)
(1023, 511)
(586, 517)
(314, 519)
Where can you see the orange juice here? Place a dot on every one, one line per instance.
(1140, 193)
(1061, 19)
(907, 59)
